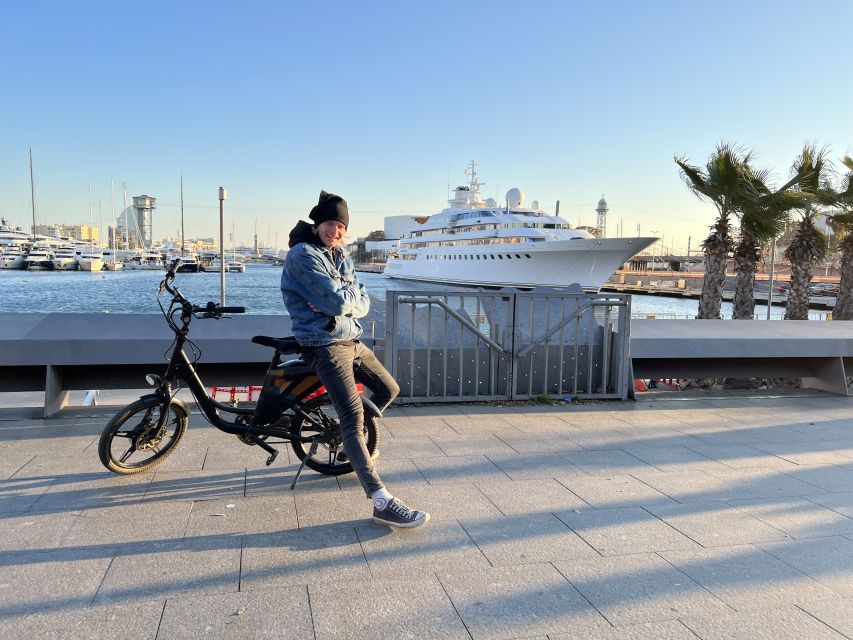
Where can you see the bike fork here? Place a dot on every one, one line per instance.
(311, 451)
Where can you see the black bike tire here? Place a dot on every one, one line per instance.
(371, 437)
(109, 432)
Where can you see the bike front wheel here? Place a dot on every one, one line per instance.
(329, 457)
(131, 442)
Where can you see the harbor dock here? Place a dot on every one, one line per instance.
(708, 517)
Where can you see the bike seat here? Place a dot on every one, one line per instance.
(284, 345)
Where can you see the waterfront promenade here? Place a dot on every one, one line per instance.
(671, 517)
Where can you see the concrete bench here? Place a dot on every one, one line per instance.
(819, 352)
(60, 352)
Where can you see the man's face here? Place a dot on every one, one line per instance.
(331, 233)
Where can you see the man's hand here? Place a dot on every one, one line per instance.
(314, 308)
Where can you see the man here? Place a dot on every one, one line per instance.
(325, 300)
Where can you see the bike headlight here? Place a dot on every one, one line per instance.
(152, 379)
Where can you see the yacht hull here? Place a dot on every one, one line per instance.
(557, 263)
(90, 265)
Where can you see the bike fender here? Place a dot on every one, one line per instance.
(175, 401)
(371, 408)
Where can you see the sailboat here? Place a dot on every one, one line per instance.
(91, 259)
(189, 263)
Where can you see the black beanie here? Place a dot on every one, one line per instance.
(330, 207)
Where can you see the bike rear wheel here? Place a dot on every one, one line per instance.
(132, 443)
(327, 459)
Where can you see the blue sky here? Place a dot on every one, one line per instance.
(386, 102)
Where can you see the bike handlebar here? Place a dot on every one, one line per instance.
(213, 309)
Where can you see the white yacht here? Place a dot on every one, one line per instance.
(40, 258)
(91, 259)
(12, 257)
(235, 266)
(147, 260)
(111, 260)
(65, 258)
(478, 243)
(12, 235)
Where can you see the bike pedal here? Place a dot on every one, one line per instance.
(272, 457)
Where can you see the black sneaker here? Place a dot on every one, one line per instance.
(396, 514)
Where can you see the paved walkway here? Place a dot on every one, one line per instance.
(658, 519)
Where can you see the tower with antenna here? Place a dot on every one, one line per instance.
(601, 217)
(144, 206)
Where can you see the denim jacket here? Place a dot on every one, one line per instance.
(325, 278)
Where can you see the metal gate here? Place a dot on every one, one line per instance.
(451, 346)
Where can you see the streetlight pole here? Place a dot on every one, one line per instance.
(222, 195)
(654, 232)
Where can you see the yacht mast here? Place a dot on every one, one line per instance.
(33, 194)
(182, 215)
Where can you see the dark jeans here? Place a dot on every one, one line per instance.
(334, 365)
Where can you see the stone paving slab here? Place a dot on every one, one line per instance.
(515, 602)
(827, 560)
(274, 614)
(397, 610)
(800, 517)
(834, 612)
(236, 515)
(787, 622)
(717, 524)
(639, 588)
(158, 521)
(140, 619)
(443, 545)
(746, 577)
(518, 497)
(210, 532)
(624, 531)
(167, 569)
(309, 555)
(529, 538)
(609, 492)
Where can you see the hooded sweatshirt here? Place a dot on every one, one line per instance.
(325, 278)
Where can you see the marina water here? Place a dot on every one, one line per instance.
(135, 291)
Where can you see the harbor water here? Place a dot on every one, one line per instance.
(135, 291)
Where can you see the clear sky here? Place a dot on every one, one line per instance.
(385, 103)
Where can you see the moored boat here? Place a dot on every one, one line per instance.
(39, 258)
(65, 258)
(479, 243)
(91, 259)
(12, 257)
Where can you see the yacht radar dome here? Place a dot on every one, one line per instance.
(535, 205)
(491, 203)
(514, 198)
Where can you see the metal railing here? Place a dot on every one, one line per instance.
(446, 346)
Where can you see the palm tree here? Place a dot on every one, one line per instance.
(762, 217)
(842, 225)
(809, 244)
(723, 183)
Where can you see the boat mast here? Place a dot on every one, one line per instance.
(182, 215)
(91, 239)
(33, 194)
(126, 220)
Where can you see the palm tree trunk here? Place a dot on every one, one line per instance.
(798, 297)
(844, 303)
(710, 300)
(747, 255)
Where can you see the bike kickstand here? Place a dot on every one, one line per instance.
(311, 451)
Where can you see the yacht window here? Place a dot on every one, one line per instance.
(518, 256)
(500, 257)
(526, 255)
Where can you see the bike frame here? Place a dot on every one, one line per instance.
(181, 368)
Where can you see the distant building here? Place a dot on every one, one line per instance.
(82, 232)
